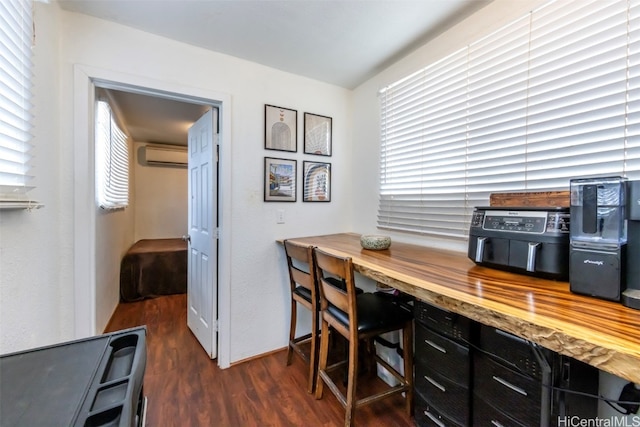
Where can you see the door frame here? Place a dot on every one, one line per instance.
(86, 79)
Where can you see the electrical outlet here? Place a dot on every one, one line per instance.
(630, 393)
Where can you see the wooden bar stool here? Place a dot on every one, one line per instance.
(302, 279)
(358, 317)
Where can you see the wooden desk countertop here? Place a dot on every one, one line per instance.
(601, 333)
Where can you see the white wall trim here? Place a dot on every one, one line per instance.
(85, 78)
(84, 239)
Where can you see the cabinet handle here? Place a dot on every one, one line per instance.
(436, 384)
(434, 419)
(436, 346)
(509, 385)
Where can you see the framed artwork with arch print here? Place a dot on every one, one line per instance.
(280, 128)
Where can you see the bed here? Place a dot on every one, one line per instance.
(153, 267)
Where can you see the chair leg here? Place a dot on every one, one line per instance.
(322, 358)
(345, 374)
(292, 330)
(313, 356)
(352, 382)
(371, 358)
(407, 343)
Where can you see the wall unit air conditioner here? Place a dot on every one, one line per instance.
(168, 155)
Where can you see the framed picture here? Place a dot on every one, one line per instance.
(317, 134)
(279, 180)
(280, 128)
(317, 182)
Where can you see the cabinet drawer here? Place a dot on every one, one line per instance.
(486, 415)
(448, 398)
(513, 393)
(426, 415)
(443, 321)
(530, 359)
(448, 358)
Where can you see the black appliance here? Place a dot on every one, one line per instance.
(90, 382)
(631, 296)
(469, 374)
(527, 240)
(443, 374)
(521, 383)
(598, 237)
(514, 380)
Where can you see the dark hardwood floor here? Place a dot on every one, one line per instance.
(185, 388)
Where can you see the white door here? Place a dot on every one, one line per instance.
(203, 244)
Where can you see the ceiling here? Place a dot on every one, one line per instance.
(341, 42)
(154, 119)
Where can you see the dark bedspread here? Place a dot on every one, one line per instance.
(153, 267)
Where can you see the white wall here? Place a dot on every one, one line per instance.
(160, 200)
(37, 248)
(36, 284)
(114, 234)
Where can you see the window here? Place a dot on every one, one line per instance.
(16, 36)
(112, 160)
(552, 96)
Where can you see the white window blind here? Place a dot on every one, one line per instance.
(552, 96)
(16, 36)
(112, 160)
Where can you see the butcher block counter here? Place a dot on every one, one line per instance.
(601, 333)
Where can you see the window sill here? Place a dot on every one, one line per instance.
(20, 204)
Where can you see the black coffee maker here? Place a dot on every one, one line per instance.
(598, 237)
(631, 296)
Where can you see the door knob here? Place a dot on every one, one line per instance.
(186, 238)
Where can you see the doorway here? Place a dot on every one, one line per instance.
(86, 80)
